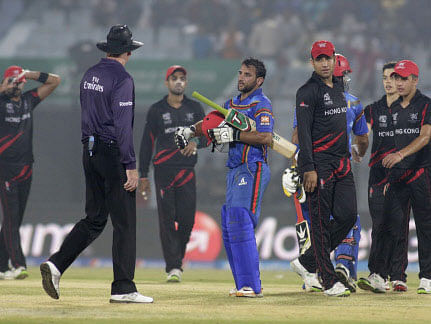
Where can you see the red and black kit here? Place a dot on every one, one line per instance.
(16, 161)
(388, 227)
(409, 181)
(321, 113)
(173, 174)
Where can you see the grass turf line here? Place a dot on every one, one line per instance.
(201, 297)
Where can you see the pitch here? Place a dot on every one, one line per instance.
(202, 297)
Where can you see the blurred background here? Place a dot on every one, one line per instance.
(209, 38)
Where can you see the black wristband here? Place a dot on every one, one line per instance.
(235, 134)
(43, 77)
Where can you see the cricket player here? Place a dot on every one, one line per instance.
(384, 258)
(346, 254)
(324, 166)
(247, 177)
(409, 164)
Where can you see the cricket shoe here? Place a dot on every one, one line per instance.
(18, 273)
(50, 279)
(424, 286)
(374, 283)
(337, 290)
(311, 280)
(343, 275)
(248, 292)
(387, 285)
(133, 297)
(399, 285)
(174, 276)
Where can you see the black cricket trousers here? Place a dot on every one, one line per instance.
(334, 195)
(390, 228)
(15, 183)
(176, 203)
(105, 176)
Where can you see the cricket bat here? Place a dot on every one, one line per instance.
(240, 121)
(302, 230)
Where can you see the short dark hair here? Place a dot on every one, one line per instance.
(260, 67)
(114, 55)
(389, 65)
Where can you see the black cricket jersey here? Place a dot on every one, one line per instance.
(321, 114)
(407, 124)
(161, 124)
(16, 128)
(379, 116)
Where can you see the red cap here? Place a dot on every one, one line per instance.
(172, 69)
(341, 65)
(405, 67)
(322, 47)
(14, 71)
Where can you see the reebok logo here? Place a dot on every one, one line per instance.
(125, 103)
(242, 182)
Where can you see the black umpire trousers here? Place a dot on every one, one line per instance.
(390, 228)
(335, 194)
(176, 205)
(15, 183)
(411, 188)
(105, 176)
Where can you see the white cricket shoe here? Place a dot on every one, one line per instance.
(399, 285)
(424, 286)
(248, 292)
(337, 290)
(343, 275)
(311, 280)
(232, 292)
(174, 275)
(133, 297)
(374, 283)
(50, 279)
(14, 273)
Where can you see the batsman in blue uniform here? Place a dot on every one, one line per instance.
(346, 254)
(247, 177)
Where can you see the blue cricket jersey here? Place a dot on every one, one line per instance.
(356, 122)
(258, 107)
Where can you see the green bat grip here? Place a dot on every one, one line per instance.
(210, 103)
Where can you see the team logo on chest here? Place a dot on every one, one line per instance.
(189, 117)
(383, 121)
(413, 117)
(167, 118)
(9, 108)
(327, 99)
(395, 118)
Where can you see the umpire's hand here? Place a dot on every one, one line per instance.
(310, 181)
(132, 180)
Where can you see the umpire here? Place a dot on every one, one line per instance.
(107, 103)
(173, 168)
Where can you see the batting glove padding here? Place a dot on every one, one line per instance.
(291, 184)
(183, 135)
(222, 135)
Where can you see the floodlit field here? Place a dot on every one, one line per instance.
(202, 297)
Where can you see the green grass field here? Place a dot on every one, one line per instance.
(202, 297)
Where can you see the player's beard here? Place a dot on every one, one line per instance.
(13, 92)
(247, 88)
(177, 91)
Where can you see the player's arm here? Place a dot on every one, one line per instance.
(49, 82)
(146, 150)
(415, 146)
(255, 138)
(305, 105)
(360, 130)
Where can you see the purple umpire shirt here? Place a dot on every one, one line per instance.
(107, 95)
